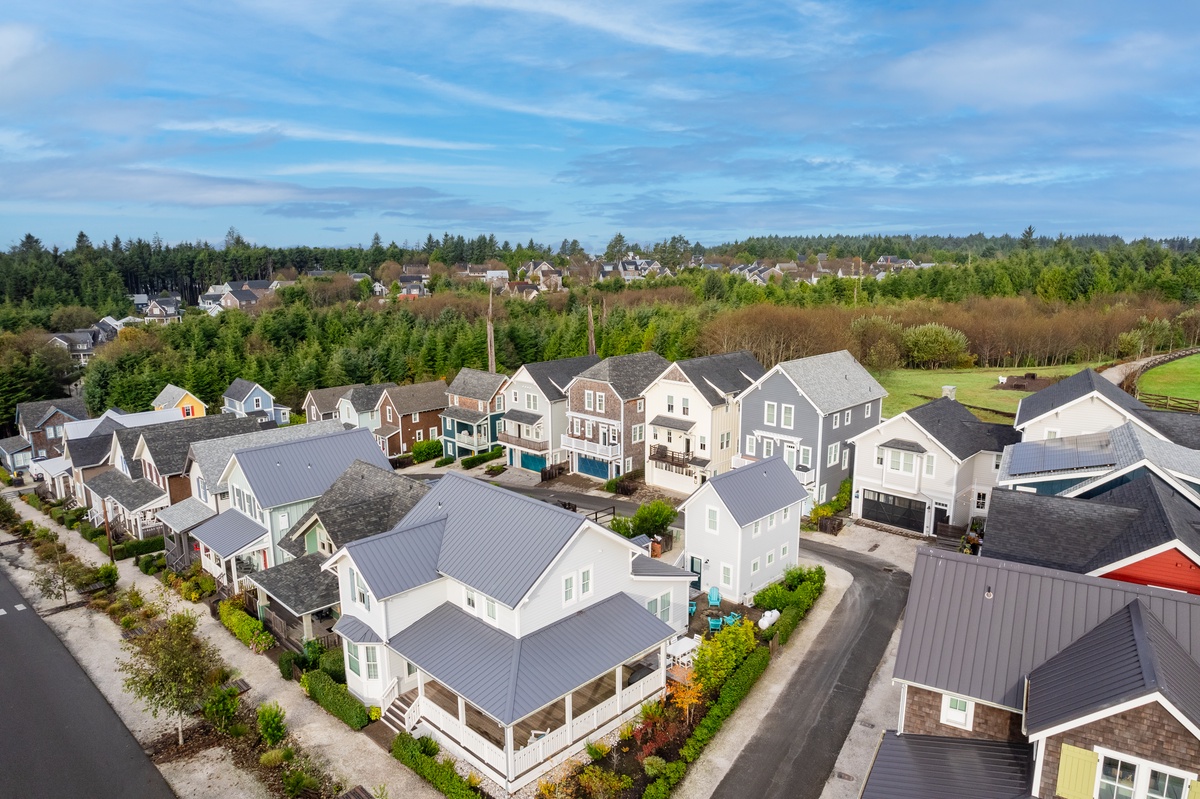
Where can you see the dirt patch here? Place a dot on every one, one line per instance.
(1024, 382)
(206, 775)
(574, 482)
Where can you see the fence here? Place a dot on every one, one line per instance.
(1166, 403)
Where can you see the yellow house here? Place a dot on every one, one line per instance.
(176, 397)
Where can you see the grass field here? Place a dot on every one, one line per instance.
(1175, 379)
(908, 388)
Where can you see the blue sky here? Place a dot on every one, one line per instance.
(321, 122)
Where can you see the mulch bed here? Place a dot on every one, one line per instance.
(1023, 383)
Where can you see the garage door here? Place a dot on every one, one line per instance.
(896, 511)
(534, 463)
(593, 468)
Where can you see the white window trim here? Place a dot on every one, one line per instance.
(837, 418)
(833, 454)
(750, 445)
(771, 521)
(755, 566)
(930, 465)
(756, 527)
(771, 557)
(599, 402)
(573, 587)
(371, 659)
(867, 411)
(952, 721)
(848, 416)
(768, 447)
(721, 574)
(783, 551)
(1141, 779)
(1049, 430)
(787, 417)
(641, 406)
(770, 414)
(589, 399)
(470, 601)
(591, 589)
(712, 519)
(806, 456)
(490, 605)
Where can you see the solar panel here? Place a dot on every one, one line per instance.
(1062, 454)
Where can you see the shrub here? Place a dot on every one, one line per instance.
(428, 746)
(271, 726)
(426, 450)
(717, 657)
(446, 461)
(333, 664)
(441, 774)
(375, 712)
(672, 775)
(4, 476)
(313, 650)
(272, 758)
(597, 750)
(106, 575)
(474, 460)
(600, 784)
(733, 692)
(296, 782)
(131, 548)
(221, 708)
(336, 699)
(245, 627)
(653, 766)
(286, 659)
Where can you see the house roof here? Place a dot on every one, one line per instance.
(673, 423)
(758, 489)
(833, 381)
(1180, 428)
(356, 631)
(643, 566)
(212, 456)
(1068, 390)
(629, 375)
(522, 417)
(461, 414)
(239, 389)
(400, 559)
(34, 414)
(168, 443)
(958, 430)
(476, 384)
(13, 444)
(508, 678)
(292, 471)
(130, 494)
(932, 767)
(958, 639)
(170, 395)
(244, 296)
(1059, 456)
(185, 515)
(727, 373)
(365, 398)
(326, 399)
(903, 444)
(418, 397)
(1131, 444)
(299, 584)
(1130, 654)
(229, 532)
(87, 427)
(552, 377)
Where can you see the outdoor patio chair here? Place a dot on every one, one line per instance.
(714, 597)
(534, 735)
(691, 608)
(732, 619)
(714, 624)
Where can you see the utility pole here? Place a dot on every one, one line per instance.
(591, 332)
(491, 336)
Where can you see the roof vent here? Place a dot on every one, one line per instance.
(988, 594)
(948, 392)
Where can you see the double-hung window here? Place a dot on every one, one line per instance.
(531, 402)
(834, 452)
(996, 462)
(710, 520)
(847, 416)
(867, 410)
(768, 447)
(568, 585)
(769, 411)
(726, 575)
(661, 606)
(683, 405)
(670, 403)
(749, 445)
(599, 402)
(771, 522)
(490, 604)
(757, 528)
(589, 400)
(352, 656)
(471, 604)
(930, 465)
(806, 456)
(585, 582)
(900, 461)
(359, 587)
(372, 657)
(754, 566)
(981, 500)
(837, 418)
(787, 413)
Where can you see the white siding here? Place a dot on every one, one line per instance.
(940, 487)
(720, 548)
(1089, 415)
(699, 411)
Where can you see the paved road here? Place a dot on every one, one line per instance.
(797, 744)
(59, 737)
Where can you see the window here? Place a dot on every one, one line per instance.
(847, 420)
(499, 402)
(283, 522)
(359, 590)
(410, 668)
(187, 411)
(710, 520)
(258, 403)
(757, 528)
(867, 411)
(770, 557)
(930, 463)
(726, 575)
(433, 433)
(629, 464)
(769, 410)
(783, 550)
(490, 604)
(661, 606)
(806, 456)
(787, 513)
(1051, 433)
(585, 582)
(670, 403)
(749, 445)
(879, 456)
(771, 522)
(900, 461)
(389, 414)
(470, 600)
(668, 436)
(996, 462)
(703, 443)
(768, 447)
(821, 496)
(531, 403)
(416, 417)
(1124, 777)
(575, 426)
(834, 452)
(641, 406)
(837, 418)
(588, 429)
(846, 458)
(957, 712)
(725, 440)
(788, 413)
(515, 395)
(754, 564)
(372, 654)
(638, 433)
(352, 656)
(981, 500)
(683, 405)
(419, 435)
(568, 589)
(599, 402)
(589, 400)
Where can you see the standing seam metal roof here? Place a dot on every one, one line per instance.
(932, 767)
(212, 456)
(758, 489)
(229, 532)
(297, 470)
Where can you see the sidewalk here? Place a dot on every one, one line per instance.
(350, 756)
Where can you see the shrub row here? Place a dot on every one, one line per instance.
(839, 503)
(474, 460)
(426, 450)
(245, 627)
(732, 693)
(139, 547)
(797, 584)
(439, 773)
(446, 461)
(672, 775)
(335, 698)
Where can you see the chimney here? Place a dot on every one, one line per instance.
(948, 391)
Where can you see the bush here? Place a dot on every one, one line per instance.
(446, 461)
(336, 699)
(106, 575)
(597, 750)
(271, 726)
(800, 586)
(441, 774)
(4, 476)
(733, 692)
(286, 659)
(600, 784)
(221, 708)
(653, 766)
(33, 500)
(375, 712)
(717, 657)
(296, 782)
(474, 460)
(672, 775)
(132, 548)
(426, 450)
(333, 664)
(273, 758)
(245, 627)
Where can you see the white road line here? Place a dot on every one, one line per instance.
(19, 607)
(3, 612)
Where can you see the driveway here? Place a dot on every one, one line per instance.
(797, 743)
(58, 735)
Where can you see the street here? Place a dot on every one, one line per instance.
(59, 737)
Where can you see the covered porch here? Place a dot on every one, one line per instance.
(296, 601)
(465, 432)
(178, 520)
(232, 546)
(128, 506)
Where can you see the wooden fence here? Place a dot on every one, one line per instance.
(1165, 403)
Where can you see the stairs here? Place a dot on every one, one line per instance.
(395, 714)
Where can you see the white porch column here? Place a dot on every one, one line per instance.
(306, 621)
(462, 711)
(509, 751)
(662, 664)
(617, 675)
(421, 685)
(570, 717)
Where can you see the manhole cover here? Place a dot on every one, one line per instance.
(873, 547)
(841, 775)
(866, 724)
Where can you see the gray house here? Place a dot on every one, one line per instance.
(245, 398)
(808, 410)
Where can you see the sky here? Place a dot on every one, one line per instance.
(322, 122)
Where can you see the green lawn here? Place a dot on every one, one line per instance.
(1175, 379)
(908, 388)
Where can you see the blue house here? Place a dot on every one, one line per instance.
(471, 420)
(244, 398)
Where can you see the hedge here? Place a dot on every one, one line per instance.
(335, 698)
(475, 460)
(672, 775)
(138, 547)
(426, 450)
(805, 581)
(732, 693)
(446, 461)
(245, 627)
(334, 664)
(286, 659)
(441, 774)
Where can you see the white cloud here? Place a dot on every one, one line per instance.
(290, 130)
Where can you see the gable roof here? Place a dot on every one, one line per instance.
(171, 394)
(418, 397)
(186, 514)
(1129, 655)
(34, 414)
(240, 388)
(931, 767)
(243, 296)
(400, 559)
(758, 489)
(1070, 389)
(212, 456)
(82, 428)
(1131, 445)
(1179, 428)
(13, 445)
(833, 381)
(958, 639)
(131, 494)
(552, 377)
(958, 430)
(476, 384)
(629, 375)
(293, 471)
(365, 398)
(326, 399)
(168, 443)
(228, 532)
(727, 373)
(299, 584)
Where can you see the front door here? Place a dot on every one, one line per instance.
(941, 515)
(696, 566)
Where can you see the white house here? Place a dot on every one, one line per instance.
(536, 419)
(742, 527)
(692, 419)
(1082, 404)
(510, 630)
(359, 405)
(933, 464)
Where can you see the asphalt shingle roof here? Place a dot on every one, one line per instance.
(958, 430)
(239, 389)
(130, 494)
(186, 514)
(1180, 428)
(170, 395)
(1070, 389)
(1050, 531)
(629, 375)
(461, 414)
(552, 377)
(931, 767)
(279, 474)
(299, 584)
(168, 443)
(326, 399)
(833, 381)
(365, 398)
(418, 397)
(35, 413)
(13, 444)
(727, 373)
(758, 489)
(229, 532)
(212, 456)
(1131, 444)
(476, 384)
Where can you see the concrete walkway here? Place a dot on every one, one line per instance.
(350, 756)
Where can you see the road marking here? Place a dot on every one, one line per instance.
(19, 607)
(3, 612)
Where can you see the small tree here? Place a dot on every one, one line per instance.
(687, 694)
(169, 667)
(649, 520)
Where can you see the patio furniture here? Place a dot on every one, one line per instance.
(714, 597)
(732, 619)
(714, 624)
(534, 735)
(691, 608)
(680, 652)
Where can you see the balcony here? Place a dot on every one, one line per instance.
(659, 452)
(590, 447)
(523, 443)
(475, 442)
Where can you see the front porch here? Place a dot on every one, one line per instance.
(297, 602)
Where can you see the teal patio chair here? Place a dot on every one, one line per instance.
(691, 609)
(714, 597)
(732, 619)
(714, 624)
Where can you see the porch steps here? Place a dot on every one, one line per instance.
(393, 717)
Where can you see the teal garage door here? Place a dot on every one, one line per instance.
(593, 468)
(534, 463)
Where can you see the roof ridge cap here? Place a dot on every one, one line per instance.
(1147, 657)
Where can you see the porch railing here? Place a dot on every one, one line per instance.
(590, 447)
(471, 441)
(523, 443)
(539, 750)
(488, 753)
(581, 727)
(661, 453)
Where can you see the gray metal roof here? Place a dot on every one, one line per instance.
(418, 397)
(1128, 655)
(721, 375)
(13, 444)
(297, 470)
(629, 375)
(35, 413)
(476, 384)
(399, 560)
(130, 494)
(326, 399)
(833, 381)
(185, 515)
(903, 444)
(522, 417)
(959, 641)
(168, 443)
(930, 767)
(672, 423)
(1070, 389)
(364, 501)
(643, 566)
(463, 414)
(758, 489)
(552, 377)
(212, 456)
(354, 630)
(299, 584)
(229, 532)
(958, 430)
(239, 389)
(508, 678)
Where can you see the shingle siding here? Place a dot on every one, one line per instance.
(923, 716)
